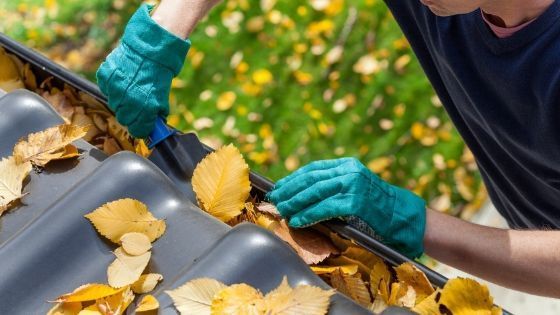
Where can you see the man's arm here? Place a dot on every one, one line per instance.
(181, 16)
(522, 260)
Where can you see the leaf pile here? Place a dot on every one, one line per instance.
(222, 186)
(76, 107)
(128, 223)
(208, 296)
(39, 149)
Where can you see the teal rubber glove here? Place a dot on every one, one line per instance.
(345, 188)
(136, 76)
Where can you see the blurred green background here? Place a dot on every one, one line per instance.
(287, 82)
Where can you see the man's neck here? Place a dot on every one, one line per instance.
(511, 13)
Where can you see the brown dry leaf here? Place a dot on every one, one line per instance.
(379, 272)
(303, 299)
(135, 243)
(367, 259)
(346, 269)
(238, 299)
(221, 183)
(414, 277)
(65, 309)
(310, 245)
(351, 286)
(115, 304)
(88, 292)
(247, 215)
(195, 297)
(29, 79)
(12, 176)
(116, 218)
(120, 134)
(265, 221)
(341, 243)
(126, 269)
(146, 283)
(9, 73)
(79, 119)
(60, 103)
(148, 303)
(51, 144)
(111, 146)
(270, 209)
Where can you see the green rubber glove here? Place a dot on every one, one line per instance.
(136, 76)
(345, 188)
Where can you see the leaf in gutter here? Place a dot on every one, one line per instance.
(195, 297)
(221, 183)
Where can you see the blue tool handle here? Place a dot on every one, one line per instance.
(161, 132)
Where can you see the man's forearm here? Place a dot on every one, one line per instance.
(181, 16)
(522, 260)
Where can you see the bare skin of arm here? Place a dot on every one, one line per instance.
(181, 16)
(522, 260)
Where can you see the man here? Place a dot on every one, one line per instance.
(495, 65)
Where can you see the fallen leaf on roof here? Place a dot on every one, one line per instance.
(126, 269)
(12, 176)
(303, 299)
(310, 245)
(116, 218)
(51, 144)
(146, 283)
(195, 297)
(135, 243)
(221, 183)
(65, 309)
(379, 272)
(88, 292)
(115, 304)
(147, 303)
(238, 299)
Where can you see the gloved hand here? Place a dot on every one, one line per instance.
(136, 76)
(345, 188)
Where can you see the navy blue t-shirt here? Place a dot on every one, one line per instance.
(503, 95)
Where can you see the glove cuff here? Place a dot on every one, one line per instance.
(408, 224)
(153, 42)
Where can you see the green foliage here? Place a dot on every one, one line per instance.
(274, 74)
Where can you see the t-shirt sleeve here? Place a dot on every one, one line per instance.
(414, 19)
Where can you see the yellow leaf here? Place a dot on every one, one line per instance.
(379, 272)
(429, 306)
(402, 295)
(135, 243)
(12, 176)
(465, 297)
(65, 309)
(142, 149)
(9, 74)
(351, 286)
(238, 299)
(303, 299)
(115, 304)
(226, 100)
(221, 183)
(51, 144)
(195, 297)
(146, 283)
(126, 269)
(414, 277)
(346, 269)
(116, 218)
(88, 292)
(148, 303)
